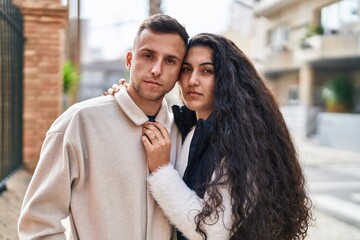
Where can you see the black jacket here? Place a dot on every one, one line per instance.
(201, 162)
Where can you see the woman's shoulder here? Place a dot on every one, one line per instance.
(184, 119)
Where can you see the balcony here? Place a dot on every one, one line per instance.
(329, 47)
(266, 8)
(278, 61)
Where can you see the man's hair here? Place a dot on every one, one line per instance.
(162, 23)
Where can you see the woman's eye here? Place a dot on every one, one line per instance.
(208, 71)
(186, 69)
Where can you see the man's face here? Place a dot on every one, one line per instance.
(154, 65)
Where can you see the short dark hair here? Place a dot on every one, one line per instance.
(162, 23)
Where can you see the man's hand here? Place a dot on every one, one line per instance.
(116, 87)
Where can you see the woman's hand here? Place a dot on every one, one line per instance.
(157, 144)
(116, 87)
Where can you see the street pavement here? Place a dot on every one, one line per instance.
(10, 204)
(333, 180)
(336, 190)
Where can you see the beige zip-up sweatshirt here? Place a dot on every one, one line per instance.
(93, 170)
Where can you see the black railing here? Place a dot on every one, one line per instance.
(11, 89)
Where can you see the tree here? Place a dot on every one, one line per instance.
(338, 94)
(155, 7)
(71, 80)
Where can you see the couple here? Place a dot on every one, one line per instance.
(120, 168)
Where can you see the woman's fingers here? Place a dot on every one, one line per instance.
(110, 91)
(116, 87)
(146, 142)
(122, 81)
(162, 130)
(153, 132)
(156, 145)
(154, 137)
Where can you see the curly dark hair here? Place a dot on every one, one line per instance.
(255, 155)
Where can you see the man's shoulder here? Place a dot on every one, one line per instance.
(82, 110)
(93, 103)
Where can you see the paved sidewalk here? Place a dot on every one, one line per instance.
(310, 153)
(329, 228)
(324, 228)
(10, 204)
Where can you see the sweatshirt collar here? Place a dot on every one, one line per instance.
(137, 115)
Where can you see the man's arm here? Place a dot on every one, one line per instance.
(47, 198)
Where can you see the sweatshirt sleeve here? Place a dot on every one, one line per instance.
(181, 204)
(47, 198)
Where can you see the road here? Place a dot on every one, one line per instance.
(335, 191)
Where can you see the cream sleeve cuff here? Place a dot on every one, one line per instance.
(181, 204)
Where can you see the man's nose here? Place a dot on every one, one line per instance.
(156, 69)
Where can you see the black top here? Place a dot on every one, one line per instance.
(201, 162)
(151, 118)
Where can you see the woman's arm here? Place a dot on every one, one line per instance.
(181, 204)
(177, 200)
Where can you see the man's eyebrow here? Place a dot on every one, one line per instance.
(152, 51)
(174, 56)
(146, 50)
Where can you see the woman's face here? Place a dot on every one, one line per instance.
(197, 81)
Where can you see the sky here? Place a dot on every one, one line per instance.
(112, 24)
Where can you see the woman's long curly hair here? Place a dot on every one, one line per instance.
(255, 153)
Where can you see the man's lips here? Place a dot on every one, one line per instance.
(152, 82)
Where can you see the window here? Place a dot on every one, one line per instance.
(340, 15)
(278, 38)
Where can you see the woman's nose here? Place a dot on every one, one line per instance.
(193, 80)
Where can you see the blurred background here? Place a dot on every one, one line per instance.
(54, 53)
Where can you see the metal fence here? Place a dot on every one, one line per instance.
(11, 90)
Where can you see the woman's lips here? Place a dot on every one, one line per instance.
(193, 94)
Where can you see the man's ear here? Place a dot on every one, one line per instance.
(128, 60)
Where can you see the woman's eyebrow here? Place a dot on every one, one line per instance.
(201, 64)
(206, 63)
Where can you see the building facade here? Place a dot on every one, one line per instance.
(303, 45)
(44, 30)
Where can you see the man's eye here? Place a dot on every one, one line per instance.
(147, 55)
(171, 61)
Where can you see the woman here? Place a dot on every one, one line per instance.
(242, 179)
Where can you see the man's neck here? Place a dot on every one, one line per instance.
(150, 108)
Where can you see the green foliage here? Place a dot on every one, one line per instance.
(313, 30)
(70, 76)
(338, 94)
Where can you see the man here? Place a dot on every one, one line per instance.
(92, 167)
